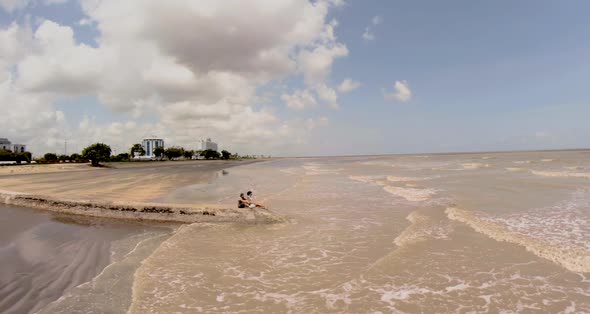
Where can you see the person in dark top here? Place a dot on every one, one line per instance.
(243, 202)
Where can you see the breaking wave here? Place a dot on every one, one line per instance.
(561, 174)
(411, 194)
(475, 165)
(576, 258)
(423, 227)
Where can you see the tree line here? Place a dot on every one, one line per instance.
(100, 152)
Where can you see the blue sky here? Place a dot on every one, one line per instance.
(493, 75)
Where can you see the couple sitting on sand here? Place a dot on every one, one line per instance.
(246, 201)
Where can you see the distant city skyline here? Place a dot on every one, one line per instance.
(307, 78)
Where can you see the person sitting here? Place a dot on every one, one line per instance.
(249, 196)
(243, 202)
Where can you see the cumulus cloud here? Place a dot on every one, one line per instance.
(348, 85)
(13, 5)
(299, 100)
(401, 92)
(192, 69)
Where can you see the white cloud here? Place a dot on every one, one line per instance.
(401, 92)
(13, 5)
(194, 83)
(369, 35)
(85, 22)
(299, 100)
(348, 85)
(328, 95)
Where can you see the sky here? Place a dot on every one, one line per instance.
(296, 77)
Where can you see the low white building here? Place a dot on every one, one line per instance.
(19, 148)
(207, 144)
(5, 144)
(150, 144)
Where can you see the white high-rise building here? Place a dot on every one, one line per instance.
(207, 144)
(150, 144)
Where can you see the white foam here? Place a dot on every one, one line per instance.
(474, 165)
(576, 259)
(561, 174)
(423, 228)
(411, 194)
(514, 169)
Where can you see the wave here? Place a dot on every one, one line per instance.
(314, 169)
(366, 179)
(514, 169)
(423, 227)
(575, 259)
(411, 194)
(561, 174)
(475, 165)
(407, 179)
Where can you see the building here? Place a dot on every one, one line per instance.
(207, 144)
(150, 144)
(5, 144)
(19, 148)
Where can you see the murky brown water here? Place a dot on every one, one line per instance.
(463, 233)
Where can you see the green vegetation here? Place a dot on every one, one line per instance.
(50, 157)
(173, 152)
(97, 153)
(188, 154)
(137, 148)
(6, 155)
(210, 154)
(159, 152)
(100, 152)
(120, 157)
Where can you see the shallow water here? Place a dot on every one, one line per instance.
(46, 257)
(375, 234)
(495, 232)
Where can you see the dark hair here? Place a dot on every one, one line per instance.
(249, 193)
(241, 194)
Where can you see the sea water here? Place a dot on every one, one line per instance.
(493, 232)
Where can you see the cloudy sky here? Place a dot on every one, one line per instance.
(296, 77)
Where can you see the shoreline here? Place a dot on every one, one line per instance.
(138, 211)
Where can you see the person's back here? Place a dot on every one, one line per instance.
(242, 201)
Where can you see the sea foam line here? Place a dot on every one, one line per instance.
(561, 174)
(574, 259)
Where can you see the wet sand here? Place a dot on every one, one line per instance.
(136, 181)
(43, 255)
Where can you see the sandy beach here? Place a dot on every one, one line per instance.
(131, 191)
(138, 181)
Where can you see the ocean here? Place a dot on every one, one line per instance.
(444, 233)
